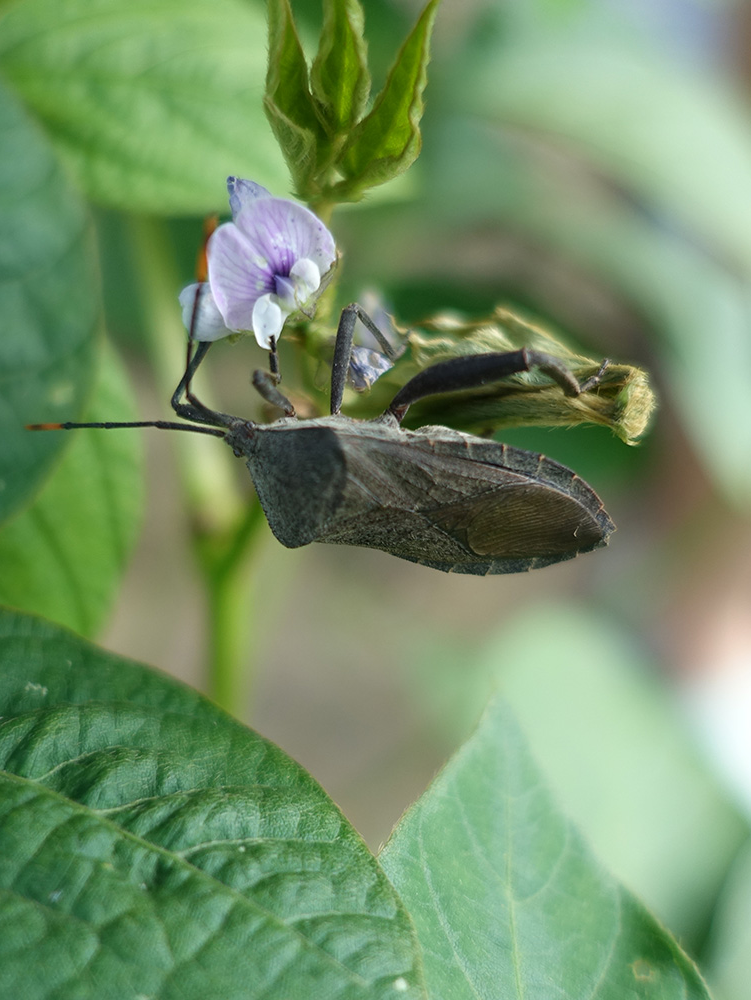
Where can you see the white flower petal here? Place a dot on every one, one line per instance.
(242, 193)
(268, 320)
(306, 277)
(203, 322)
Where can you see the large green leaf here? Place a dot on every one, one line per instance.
(49, 303)
(152, 846)
(613, 748)
(729, 961)
(63, 556)
(507, 899)
(152, 103)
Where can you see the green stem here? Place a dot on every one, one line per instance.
(227, 570)
(224, 522)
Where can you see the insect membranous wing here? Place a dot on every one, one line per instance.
(516, 520)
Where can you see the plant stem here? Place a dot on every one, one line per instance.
(227, 572)
(223, 522)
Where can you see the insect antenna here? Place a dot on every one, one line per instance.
(109, 425)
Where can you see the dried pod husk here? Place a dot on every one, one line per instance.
(622, 400)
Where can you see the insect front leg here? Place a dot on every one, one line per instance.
(194, 410)
(266, 384)
(475, 370)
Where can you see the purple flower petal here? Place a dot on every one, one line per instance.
(284, 232)
(238, 275)
(275, 250)
(365, 366)
(242, 192)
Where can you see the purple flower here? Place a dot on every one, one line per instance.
(264, 265)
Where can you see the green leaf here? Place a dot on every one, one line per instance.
(49, 303)
(506, 897)
(289, 104)
(339, 77)
(697, 308)
(729, 962)
(64, 555)
(152, 103)
(613, 748)
(388, 140)
(683, 142)
(152, 846)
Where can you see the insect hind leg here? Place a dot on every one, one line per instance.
(473, 370)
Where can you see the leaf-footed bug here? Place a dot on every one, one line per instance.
(434, 496)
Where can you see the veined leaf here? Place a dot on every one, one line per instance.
(507, 899)
(151, 103)
(387, 141)
(49, 303)
(63, 556)
(152, 846)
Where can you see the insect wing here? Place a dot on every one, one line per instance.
(458, 503)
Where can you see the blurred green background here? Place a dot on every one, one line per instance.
(585, 162)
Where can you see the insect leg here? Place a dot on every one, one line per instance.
(343, 350)
(383, 342)
(342, 353)
(480, 369)
(194, 410)
(265, 383)
(273, 362)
